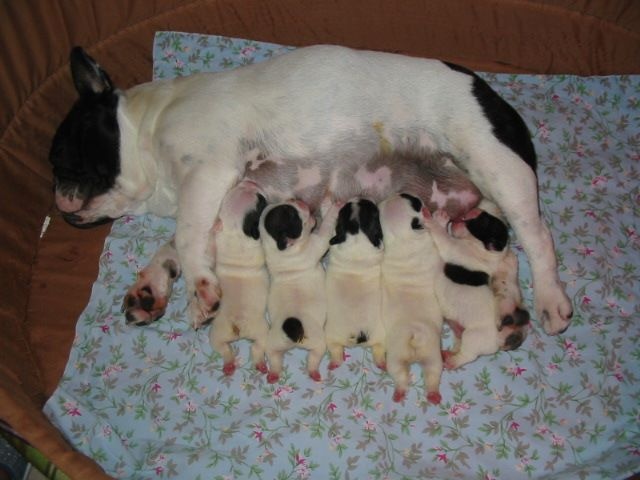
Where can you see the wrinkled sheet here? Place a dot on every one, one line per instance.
(153, 402)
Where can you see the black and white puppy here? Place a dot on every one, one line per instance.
(353, 283)
(410, 310)
(475, 254)
(175, 147)
(241, 270)
(297, 302)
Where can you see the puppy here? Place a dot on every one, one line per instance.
(410, 311)
(243, 277)
(353, 283)
(175, 147)
(475, 254)
(297, 303)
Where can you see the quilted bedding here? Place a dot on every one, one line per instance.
(153, 402)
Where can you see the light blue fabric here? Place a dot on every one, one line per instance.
(152, 402)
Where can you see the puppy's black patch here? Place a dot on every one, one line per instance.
(85, 150)
(508, 126)
(415, 202)
(369, 216)
(490, 230)
(513, 341)
(416, 224)
(251, 222)
(362, 337)
(346, 224)
(282, 223)
(463, 276)
(171, 268)
(292, 327)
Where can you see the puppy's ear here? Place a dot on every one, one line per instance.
(370, 222)
(88, 77)
(343, 225)
(251, 222)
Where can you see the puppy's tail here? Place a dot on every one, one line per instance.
(292, 327)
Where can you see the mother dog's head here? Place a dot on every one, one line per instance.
(85, 152)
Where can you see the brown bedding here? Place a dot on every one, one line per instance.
(46, 283)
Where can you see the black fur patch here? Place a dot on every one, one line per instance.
(292, 327)
(416, 224)
(369, 216)
(282, 223)
(171, 267)
(490, 230)
(362, 337)
(416, 203)
(513, 341)
(251, 222)
(463, 276)
(345, 224)
(508, 125)
(85, 150)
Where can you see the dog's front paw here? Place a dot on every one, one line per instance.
(147, 299)
(205, 301)
(441, 218)
(434, 398)
(399, 395)
(553, 308)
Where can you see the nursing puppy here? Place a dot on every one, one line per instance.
(353, 283)
(475, 254)
(297, 302)
(410, 310)
(241, 270)
(175, 147)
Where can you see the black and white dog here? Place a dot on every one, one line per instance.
(175, 147)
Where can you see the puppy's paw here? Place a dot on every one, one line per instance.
(315, 376)
(382, 366)
(333, 365)
(441, 218)
(147, 299)
(399, 395)
(262, 367)
(553, 308)
(229, 368)
(273, 377)
(205, 301)
(434, 398)
(448, 360)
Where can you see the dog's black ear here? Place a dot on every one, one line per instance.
(343, 225)
(88, 77)
(283, 224)
(370, 222)
(250, 225)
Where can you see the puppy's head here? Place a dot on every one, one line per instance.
(85, 151)
(241, 209)
(478, 224)
(358, 217)
(286, 226)
(402, 218)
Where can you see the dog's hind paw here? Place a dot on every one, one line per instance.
(434, 398)
(147, 299)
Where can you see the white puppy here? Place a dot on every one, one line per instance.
(244, 281)
(297, 303)
(410, 311)
(476, 254)
(354, 294)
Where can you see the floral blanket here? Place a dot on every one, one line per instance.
(153, 402)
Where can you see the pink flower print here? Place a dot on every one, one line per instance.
(179, 63)
(555, 97)
(576, 99)
(156, 387)
(159, 469)
(72, 409)
(358, 413)
(332, 407)
(171, 336)
(543, 430)
(257, 434)
(442, 457)
(282, 391)
(516, 370)
(182, 394)
(524, 462)
(369, 426)
(105, 328)
(631, 232)
(514, 426)
(108, 255)
(300, 460)
(457, 409)
(585, 251)
(247, 51)
(544, 130)
(617, 372)
(128, 219)
(110, 369)
(552, 368)
(599, 180)
(557, 440)
(586, 300)
(635, 451)
(591, 213)
(106, 431)
(190, 407)
(168, 53)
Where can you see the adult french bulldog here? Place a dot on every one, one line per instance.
(175, 147)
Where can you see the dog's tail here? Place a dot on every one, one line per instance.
(293, 328)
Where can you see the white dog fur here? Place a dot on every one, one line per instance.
(410, 311)
(297, 303)
(353, 284)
